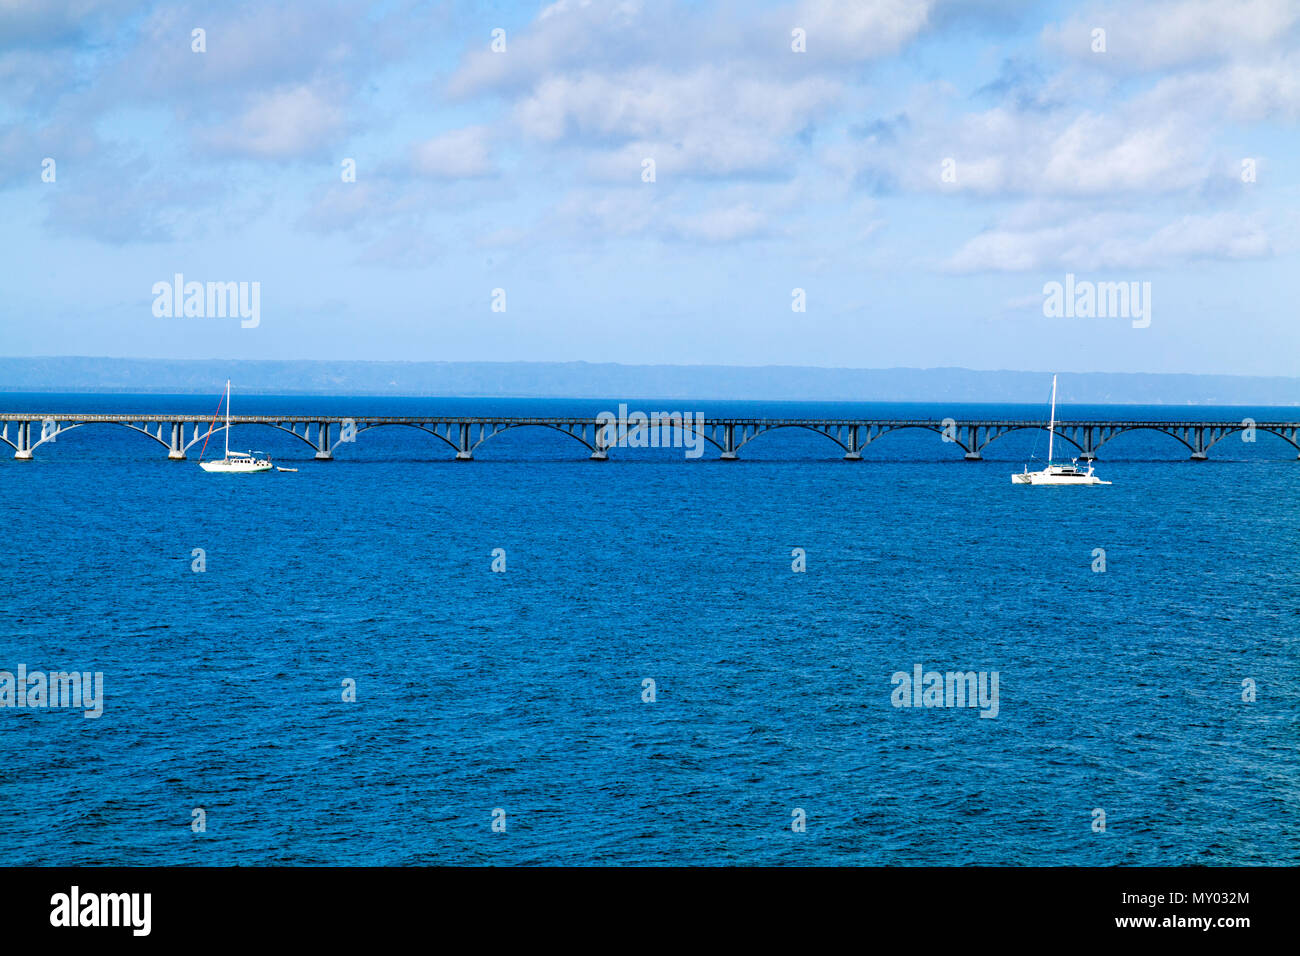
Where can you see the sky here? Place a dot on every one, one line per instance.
(848, 183)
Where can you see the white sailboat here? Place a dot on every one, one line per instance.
(1057, 474)
(236, 464)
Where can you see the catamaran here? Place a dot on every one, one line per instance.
(235, 464)
(1057, 474)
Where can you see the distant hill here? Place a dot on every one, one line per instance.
(586, 380)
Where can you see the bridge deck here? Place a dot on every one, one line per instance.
(25, 432)
(557, 420)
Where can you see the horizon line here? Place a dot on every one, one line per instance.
(683, 365)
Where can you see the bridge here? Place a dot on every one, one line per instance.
(27, 432)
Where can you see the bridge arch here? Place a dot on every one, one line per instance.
(1232, 431)
(508, 427)
(1125, 429)
(686, 429)
(367, 426)
(937, 429)
(599, 446)
(1007, 430)
(200, 436)
(772, 428)
(67, 428)
(1259, 428)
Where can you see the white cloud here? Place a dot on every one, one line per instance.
(343, 207)
(1112, 241)
(568, 35)
(459, 154)
(1006, 152)
(282, 124)
(644, 213)
(1175, 33)
(1099, 154)
(585, 36)
(586, 213)
(1242, 92)
(710, 121)
(852, 30)
(723, 225)
(23, 149)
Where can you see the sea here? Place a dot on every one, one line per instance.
(533, 658)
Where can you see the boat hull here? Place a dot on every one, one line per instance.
(235, 468)
(1038, 478)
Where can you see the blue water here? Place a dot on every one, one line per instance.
(522, 690)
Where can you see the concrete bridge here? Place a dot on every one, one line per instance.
(26, 432)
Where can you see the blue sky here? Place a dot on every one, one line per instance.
(522, 170)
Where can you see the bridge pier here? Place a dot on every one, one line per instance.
(1198, 446)
(599, 441)
(728, 443)
(854, 453)
(324, 450)
(176, 451)
(1087, 453)
(24, 442)
(465, 449)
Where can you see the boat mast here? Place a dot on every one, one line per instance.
(228, 412)
(1051, 424)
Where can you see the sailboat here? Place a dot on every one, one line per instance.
(235, 464)
(1056, 474)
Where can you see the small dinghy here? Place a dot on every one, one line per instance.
(278, 468)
